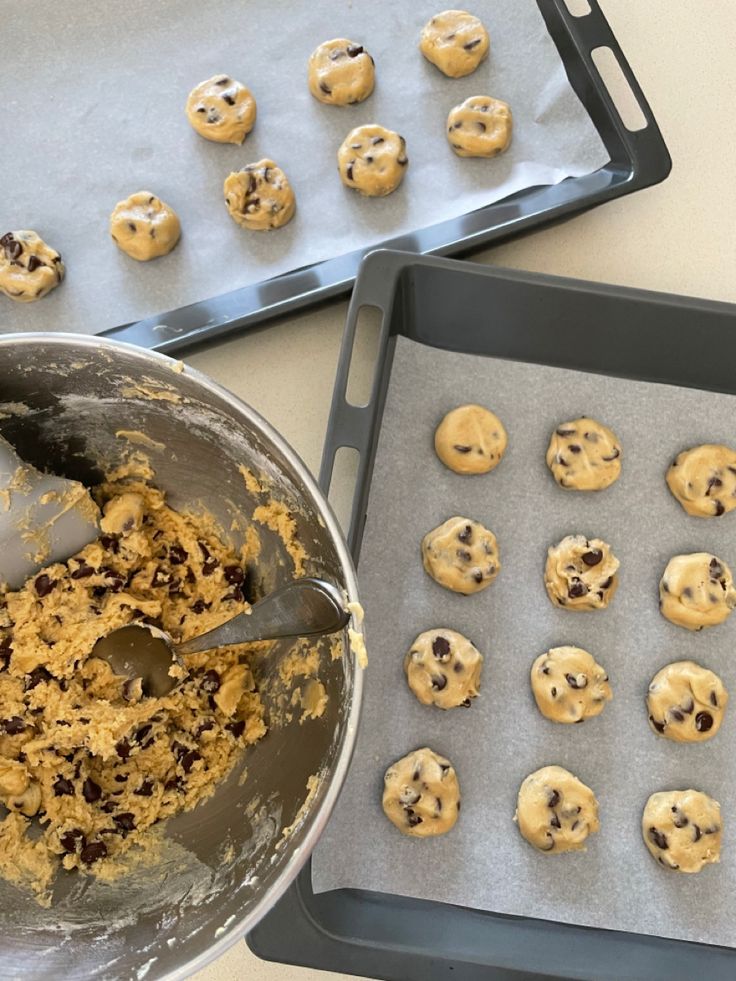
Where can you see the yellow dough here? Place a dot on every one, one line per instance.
(372, 160)
(703, 480)
(569, 685)
(144, 227)
(221, 109)
(682, 829)
(260, 196)
(461, 555)
(421, 795)
(686, 703)
(696, 591)
(555, 811)
(443, 668)
(470, 439)
(29, 268)
(479, 127)
(85, 753)
(584, 455)
(340, 73)
(581, 573)
(455, 42)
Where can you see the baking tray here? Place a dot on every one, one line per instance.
(538, 319)
(637, 160)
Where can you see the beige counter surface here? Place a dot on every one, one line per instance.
(679, 237)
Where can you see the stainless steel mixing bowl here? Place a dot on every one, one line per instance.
(62, 399)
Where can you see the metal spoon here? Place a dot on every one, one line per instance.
(303, 608)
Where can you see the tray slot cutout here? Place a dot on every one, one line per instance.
(342, 484)
(578, 8)
(622, 96)
(364, 355)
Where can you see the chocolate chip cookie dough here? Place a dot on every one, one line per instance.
(581, 573)
(455, 42)
(461, 555)
(89, 763)
(29, 268)
(340, 72)
(443, 668)
(686, 702)
(584, 455)
(221, 109)
(703, 480)
(569, 685)
(421, 795)
(696, 591)
(479, 127)
(555, 811)
(144, 227)
(682, 829)
(260, 196)
(372, 160)
(470, 439)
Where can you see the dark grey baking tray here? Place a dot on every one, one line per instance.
(638, 159)
(545, 320)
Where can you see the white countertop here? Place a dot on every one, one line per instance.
(679, 236)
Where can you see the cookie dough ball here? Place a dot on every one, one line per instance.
(421, 795)
(372, 160)
(455, 42)
(221, 110)
(144, 227)
(29, 269)
(703, 479)
(584, 455)
(479, 127)
(470, 439)
(461, 555)
(696, 591)
(443, 668)
(260, 196)
(682, 829)
(581, 573)
(686, 702)
(569, 685)
(341, 73)
(555, 811)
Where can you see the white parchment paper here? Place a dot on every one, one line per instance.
(93, 98)
(484, 862)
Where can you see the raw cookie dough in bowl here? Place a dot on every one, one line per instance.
(455, 42)
(470, 439)
(682, 829)
(686, 702)
(555, 811)
(29, 268)
(259, 196)
(581, 573)
(703, 480)
(479, 127)
(584, 455)
(443, 668)
(204, 505)
(696, 591)
(568, 685)
(461, 555)
(221, 109)
(421, 794)
(144, 227)
(372, 160)
(340, 73)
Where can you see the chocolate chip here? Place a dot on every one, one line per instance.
(677, 715)
(229, 99)
(63, 787)
(140, 735)
(236, 728)
(110, 543)
(200, 606)
(83, 571)
(439, 682)
(91, 791)
(703, 721)
(576, 681)
(713, 482)
(325, 88)
(593, 557)
(614, 456)
(465, 535)
(114, 581)
(441, 648)
(461, 449)
(679, 820)
(716, 569)
(478, 576)
(176, 783)
(607, 583)
(190, 758)
(565, 432)
(44, 584)
(377, 139)
(687, 708)
(577, 589)
(225, 80)
(123, 749)
(469, 45)
(658, 838)
(464, 555)
(125, 822)
(354, 50)
(233, 574)
(697, 834)
(13, 725)
(71, 840)
(205, 726)
(555, 821)
(177, 555)
(713, 699)
(33, 263)
(554, 798)
(211, 681)
(574, 448)
(109, 807)
(145, 789)
(720, 509)
(121, 778)
(36, 676)
(412, 819)
(161, 577)
(553, 692)
(349, 170)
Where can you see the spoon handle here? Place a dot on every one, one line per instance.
(303, 608)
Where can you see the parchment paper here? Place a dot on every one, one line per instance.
(484, 862)
(93, 101)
